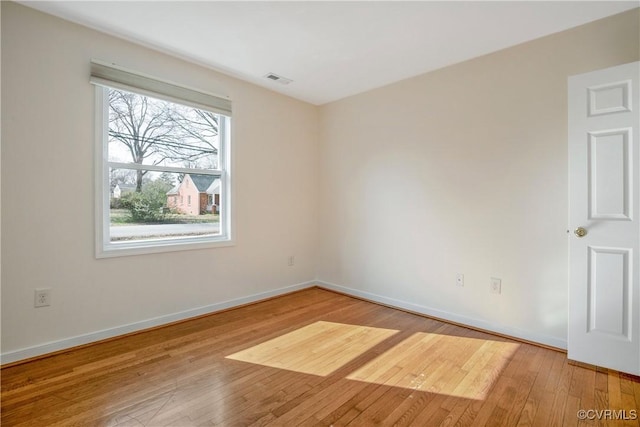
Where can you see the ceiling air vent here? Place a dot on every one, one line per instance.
(277, 78)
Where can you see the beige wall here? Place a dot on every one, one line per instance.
(463, 170)
(47, 116)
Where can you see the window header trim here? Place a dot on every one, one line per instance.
(120, 78)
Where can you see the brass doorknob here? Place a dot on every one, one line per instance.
(580, 232)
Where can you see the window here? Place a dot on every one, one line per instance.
(157, 141)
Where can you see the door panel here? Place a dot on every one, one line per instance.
(609, 179)
(604, 176)
(608, 291)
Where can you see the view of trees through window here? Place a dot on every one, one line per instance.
(164, 161)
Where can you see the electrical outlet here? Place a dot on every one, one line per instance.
(460, 279)
(42, 297)
(495, 286)
(291, 260)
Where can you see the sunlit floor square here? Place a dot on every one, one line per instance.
(318, 349)
(443, 364)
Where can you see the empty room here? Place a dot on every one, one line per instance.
(238, 213)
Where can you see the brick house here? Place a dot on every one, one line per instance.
(195, 195)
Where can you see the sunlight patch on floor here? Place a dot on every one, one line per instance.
(318, 349)
(443, 364)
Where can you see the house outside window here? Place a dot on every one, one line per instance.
(180, 147)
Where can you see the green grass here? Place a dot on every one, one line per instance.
(122, 217)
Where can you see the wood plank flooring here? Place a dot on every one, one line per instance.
(314, 358)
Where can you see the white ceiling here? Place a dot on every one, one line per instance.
(330, 49)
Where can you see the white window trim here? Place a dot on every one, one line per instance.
(104, 248)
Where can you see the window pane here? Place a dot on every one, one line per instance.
(149, 131)
(147, 205)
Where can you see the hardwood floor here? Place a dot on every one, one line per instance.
(313, 358)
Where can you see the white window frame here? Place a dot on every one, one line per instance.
(171, 92)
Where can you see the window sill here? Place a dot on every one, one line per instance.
(139, 247)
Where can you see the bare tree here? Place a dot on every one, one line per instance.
(154, 131)
(200, 128)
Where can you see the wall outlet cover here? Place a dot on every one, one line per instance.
(42, 297)
(495, 286)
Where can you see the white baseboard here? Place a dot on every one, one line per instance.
(452, 317)
(50, 347)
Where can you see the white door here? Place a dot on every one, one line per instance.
(604, 183)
